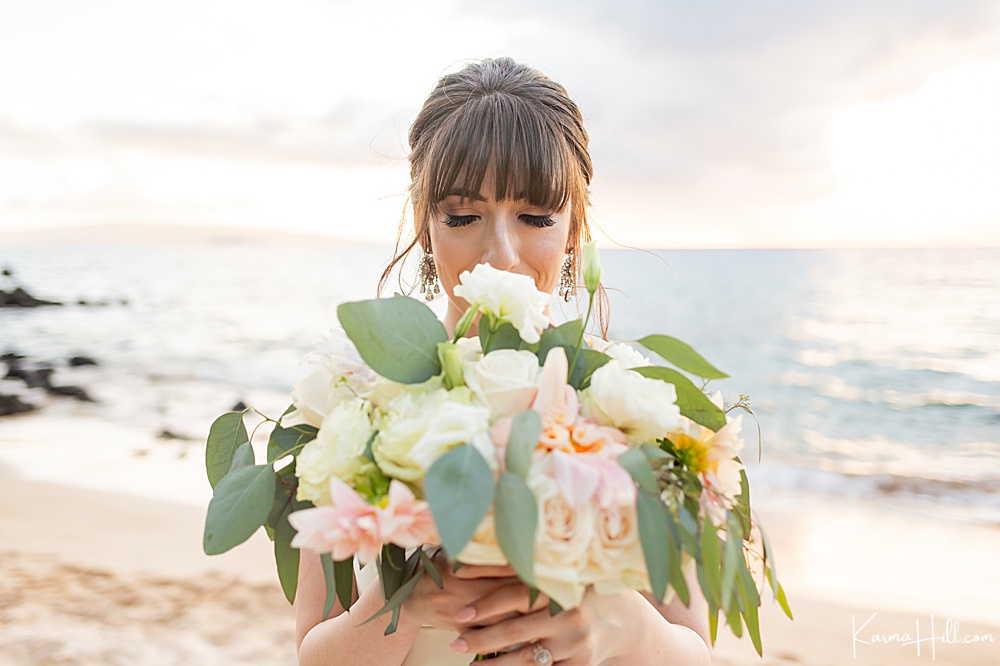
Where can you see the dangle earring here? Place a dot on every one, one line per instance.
(428, 277)
(567, 279)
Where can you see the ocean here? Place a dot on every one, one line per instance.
(874, 374)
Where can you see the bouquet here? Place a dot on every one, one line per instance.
(576, 461)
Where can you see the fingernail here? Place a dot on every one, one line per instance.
(459, 645)
(466, 614)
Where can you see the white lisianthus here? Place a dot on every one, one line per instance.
(644, 409)
(563, 540)
(418, 427)
(505, 379)
(625, 354)
(506, 297)
(338, 450)
(339, 374)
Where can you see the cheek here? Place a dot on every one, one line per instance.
(544, 258)
(452, 255)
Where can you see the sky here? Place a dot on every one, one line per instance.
(721, 123)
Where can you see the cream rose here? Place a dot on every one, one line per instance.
(507, 297)
(616, 558)
(562, 542)
(506, 380)
(338, 450)
(644, 409)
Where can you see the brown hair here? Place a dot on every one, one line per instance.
(502, 114)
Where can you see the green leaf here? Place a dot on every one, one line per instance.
(343, 575)
(459, 490)
(732, 555)
(326, 561)
(742, 503)
(733, 619)
(392, 569)
(284, 441)
(554, 607)
(654, 537)
(779, 595)
(432, 570)
(532, 596)
(524, 433)
(397, 337)
(240, 505)
(748, 592)
(565, 336)
(393, 604)
(769, 563)
(636, 463)
(711, 564)
(682, 355)
(677, 579)
(516, 517)
(586, 364)
(653, 451)
(692, 402)
(286, 558)
(713, 624)
(226, 434)
(505, 337)
(243, 457)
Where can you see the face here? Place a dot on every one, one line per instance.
(473, 228)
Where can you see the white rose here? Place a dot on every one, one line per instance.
(338, 450)
(506, 380)
(563, 540)
(644, 409)
(339, 374)
(507, 297)
(483, 548)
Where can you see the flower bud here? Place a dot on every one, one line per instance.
(452, 360)
(591, 266)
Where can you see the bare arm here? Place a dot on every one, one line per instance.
(342, 638)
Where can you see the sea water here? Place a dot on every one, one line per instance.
(873, 374)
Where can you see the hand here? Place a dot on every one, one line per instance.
(429, 605)
(583, 636)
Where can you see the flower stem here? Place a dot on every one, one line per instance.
(579, 342)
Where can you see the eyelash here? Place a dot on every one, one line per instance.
(540, 221)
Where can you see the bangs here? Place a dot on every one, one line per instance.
(528, 155)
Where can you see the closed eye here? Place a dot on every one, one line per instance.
(538, 220)
(454, 221)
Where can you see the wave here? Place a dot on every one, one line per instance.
(835, 387)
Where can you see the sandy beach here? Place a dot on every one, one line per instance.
(97, 577)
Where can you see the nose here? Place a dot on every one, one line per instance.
(500, 249)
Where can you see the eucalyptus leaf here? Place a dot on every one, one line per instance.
(682, 355)
(750, 614)
(515, 519)
(397, 337)
(637, 464)
(459, 490)
(286, 558)
(432, 570)
(243, 457)
(734, 619)
(240, 505)
(224, 437)
(692, 402)
(285, 441)
(732, 555)
(654, 537)
(565, 335)
(525, 430)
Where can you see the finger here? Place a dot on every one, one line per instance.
(525, 655)
(496, 637)
(485, 571)
(500, 603)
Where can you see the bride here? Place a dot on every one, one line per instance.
(500, 171)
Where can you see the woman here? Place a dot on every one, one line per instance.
(500, 174)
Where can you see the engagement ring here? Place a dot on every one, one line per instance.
(542, 656)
